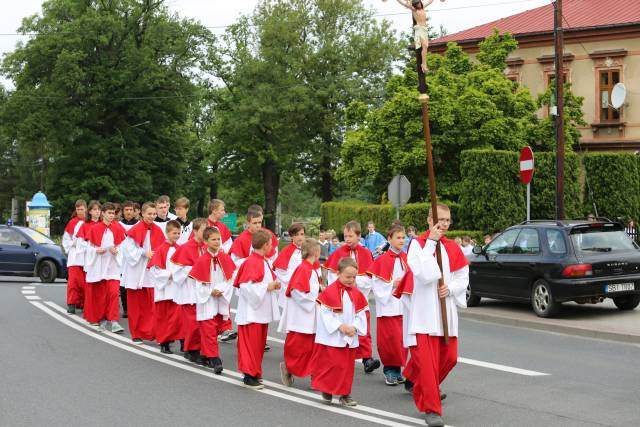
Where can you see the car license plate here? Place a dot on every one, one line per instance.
(620, 287)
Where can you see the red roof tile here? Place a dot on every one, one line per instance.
(578, 14)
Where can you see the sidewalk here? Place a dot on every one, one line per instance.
(603, 320)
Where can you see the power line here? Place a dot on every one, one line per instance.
(378, 15)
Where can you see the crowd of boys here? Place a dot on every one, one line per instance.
(176, 278)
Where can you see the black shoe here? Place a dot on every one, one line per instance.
(71, 309)
(182, 346)
(267, 347)
(124, 315)
(166, 348)
(443, 396)
(199, 359)
(326, 397)
(252, 382)
(408, 385)
(216, 364)
(370, 365)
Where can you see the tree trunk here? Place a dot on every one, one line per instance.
(325, 173)
(271, 186)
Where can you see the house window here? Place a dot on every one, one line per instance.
(551, 77)
(607, 80)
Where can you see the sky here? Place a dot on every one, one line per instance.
(454, 15)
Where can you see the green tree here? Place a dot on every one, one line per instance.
(289, 71)
(545, 133)
(102, 98)
(472, 105)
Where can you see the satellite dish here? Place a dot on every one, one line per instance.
(618, 96)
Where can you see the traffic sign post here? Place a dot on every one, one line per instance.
(399, 192)
(526, 174)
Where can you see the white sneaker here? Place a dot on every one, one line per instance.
(116, 328)
(102, 326)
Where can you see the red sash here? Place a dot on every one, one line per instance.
(252, 270)
(331, 297)
(201, 270)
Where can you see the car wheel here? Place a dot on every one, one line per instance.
(472, 299)
(542, 301)
(628, 302)
(47, 271)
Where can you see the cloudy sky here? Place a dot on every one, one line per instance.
(454, 15)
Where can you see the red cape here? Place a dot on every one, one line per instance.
(301, 278)
(187, 254)
(252, 270)
(71, 225)
(83, 233)
(405, 287)
(331, 297)
(363, 258)
(139, 232)
(382, 267)
(282, 262)
(457, 260)
(97, 232)
(241, 247)
(201, 270)
(159, 258)
(225, 234)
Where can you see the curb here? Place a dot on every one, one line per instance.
(562, 329)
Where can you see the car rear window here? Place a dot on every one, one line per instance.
(557, 245)
(602, 239)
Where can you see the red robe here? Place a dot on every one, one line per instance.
(241, 247)
(139, 232)
(201, 270)
(75, 274)
(362, 255)
(96, 232)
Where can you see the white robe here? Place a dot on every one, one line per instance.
(208, 307)
(185, 233)
(134, 266)
(162, 280)
(103, 266)
(255, 303)
(284, 276)
(185, 292)
(299, 311)
(386, 304)
(72, 247)
(425, 317)
(328, 324)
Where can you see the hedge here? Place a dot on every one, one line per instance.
(615, 182)
(336, 214)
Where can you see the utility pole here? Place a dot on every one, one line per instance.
(559, 124)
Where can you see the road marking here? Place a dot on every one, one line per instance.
(32, 297)
(503, 368)
(28, 287)
(28, 292)
(76, 323)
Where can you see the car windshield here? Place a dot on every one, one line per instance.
(37, 237)
(602, 240)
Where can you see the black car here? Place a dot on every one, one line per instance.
(26, 252)
(547, 263)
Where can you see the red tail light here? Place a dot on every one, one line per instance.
(578, 270)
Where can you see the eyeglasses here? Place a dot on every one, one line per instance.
(445, 221)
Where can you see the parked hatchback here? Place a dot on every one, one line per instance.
(547, 263)
(26, 252)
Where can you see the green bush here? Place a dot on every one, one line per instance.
(615, 182)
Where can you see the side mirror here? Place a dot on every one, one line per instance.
(478, 250)
(25, 245)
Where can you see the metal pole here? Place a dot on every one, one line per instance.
(529, 202)
(559, 80)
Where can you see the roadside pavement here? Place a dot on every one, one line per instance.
(602, 320)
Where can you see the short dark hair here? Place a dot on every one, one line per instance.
(295, 228)
(108, 206)
(346, 262)
(173, 225)
(260, 238)
(395, 228)
(209, 231)
(128, 204)
(198, 223)
(353, 226)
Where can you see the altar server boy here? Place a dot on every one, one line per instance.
(75, 258)
(213, 273)
(257, 307)
(341, 322)
(182, 262)
(242, 246)
(142, 240)
(353, 249)
(103, 260)
(167, 318)
(216, 213)
(290, 257)
(386, 272)
(299, 316)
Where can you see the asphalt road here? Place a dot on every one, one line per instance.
(57, 371)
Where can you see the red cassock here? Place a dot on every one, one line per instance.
(201, 272)
(225, 235)
(241, 247)
(332, 368)
(252, 337)
(102, 297)
(298, 346)
(432, 360)
(364, 259)
(167, 316)
(187, 255)
(75, 274)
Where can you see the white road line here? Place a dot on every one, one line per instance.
(65, 320)
(32, 297)
(502, 368)
(28, 292)
(28, 287)
(464, 360)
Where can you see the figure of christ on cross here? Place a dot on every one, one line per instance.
(420, 29)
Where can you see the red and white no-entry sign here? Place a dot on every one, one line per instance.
(526, 165)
